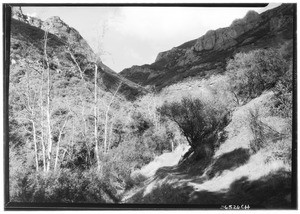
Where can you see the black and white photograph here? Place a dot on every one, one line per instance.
(150, 106)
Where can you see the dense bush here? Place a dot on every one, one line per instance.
(252, 73)
(259, 131)
(64, 186)
(278, 144)
(197, 120)
(283, 100)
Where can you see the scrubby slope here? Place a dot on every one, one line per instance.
(208, 54)
(235, 175)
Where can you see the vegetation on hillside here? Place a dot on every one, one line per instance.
(261, 31)
(198, 122)
(72, 139)
(65, 125)
(251, 149)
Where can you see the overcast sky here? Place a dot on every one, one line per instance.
(130, 36)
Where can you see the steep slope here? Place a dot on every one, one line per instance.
(208, 54)
(56, 26)
(234, 176)
(65, 38)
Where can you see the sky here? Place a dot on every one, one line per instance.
(127, 36)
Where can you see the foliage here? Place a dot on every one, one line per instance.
(197, 120)
(65, 186)
(252, 73)
(278, 144)
(283, 100)
(259, 130)
(135, 132)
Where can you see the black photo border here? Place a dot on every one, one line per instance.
(6, 8)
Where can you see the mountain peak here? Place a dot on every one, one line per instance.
(18, 14)
(56, 26)
(55, 22)
(55, 19)
(221, 38)
(224, 38)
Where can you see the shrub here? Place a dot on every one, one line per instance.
(258, 131)
(252, 73)
(283, 99)
(287, 49)
(197, 120)
(64, 186)
(140, 123)
(264, 136)
(134, 181)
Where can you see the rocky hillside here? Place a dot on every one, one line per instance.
(30, 30)
(56, 26)
(208, 54)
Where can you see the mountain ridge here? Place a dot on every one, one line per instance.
(55, 26)
(31, 29)
(208, 54)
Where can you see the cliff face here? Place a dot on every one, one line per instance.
(225, 38)
(208, 54)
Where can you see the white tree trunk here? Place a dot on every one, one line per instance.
(58, 144)
(96, 120)
(42, 125)
(49, 152)
(35, 145)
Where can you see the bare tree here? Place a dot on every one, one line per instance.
(82, 102)
(96, 119)
(49, 131)
(42, 125)
(58, 142)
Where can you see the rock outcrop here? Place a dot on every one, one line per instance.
(17, 13)
(208, 54)
(224, 38)
(35, 22)
(64, 39)
(59, 28)
(55, 26)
